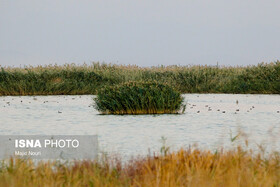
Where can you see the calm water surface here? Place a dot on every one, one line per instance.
(207, 122)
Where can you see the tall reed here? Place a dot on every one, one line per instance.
(88, 79)
(192, 167)
(138, 98)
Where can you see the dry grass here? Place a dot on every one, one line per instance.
(183, 168)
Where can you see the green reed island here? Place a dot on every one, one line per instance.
(138, 98)
(71, 79)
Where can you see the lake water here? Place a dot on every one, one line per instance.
(207, 122)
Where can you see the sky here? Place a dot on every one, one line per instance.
(141, 32)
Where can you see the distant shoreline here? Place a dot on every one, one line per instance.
(71, 79)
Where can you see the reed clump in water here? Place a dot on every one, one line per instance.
(138, 98)
(191, 167)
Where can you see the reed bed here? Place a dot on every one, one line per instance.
(88, 79)
(138, 98)
(192, 167)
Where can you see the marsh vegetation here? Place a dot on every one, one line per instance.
(138, 98)
(191, 167)
(71, 79)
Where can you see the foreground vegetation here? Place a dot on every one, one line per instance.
(183, 168)
(88, 79)
(138, 98)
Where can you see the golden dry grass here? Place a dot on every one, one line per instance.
(191, 167)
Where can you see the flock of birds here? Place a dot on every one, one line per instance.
(191, 107)
(8, 103)
(223, 111)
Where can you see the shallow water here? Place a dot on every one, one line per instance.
(258, 119)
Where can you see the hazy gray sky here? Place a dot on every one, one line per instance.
(142, 32)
